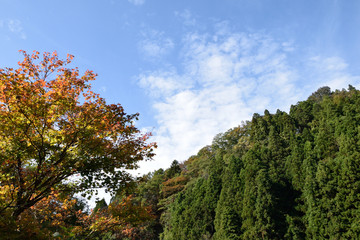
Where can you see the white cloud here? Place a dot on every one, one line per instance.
(155, 45)
(137, 2)
(15, 26)
(332, 72)
(224, 79)
(163, 84)
(186, 17)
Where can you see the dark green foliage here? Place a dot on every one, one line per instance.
(280, 176)
(100, 205)
(228, 210)
(193, 211)
(173, 170)
(320, 94)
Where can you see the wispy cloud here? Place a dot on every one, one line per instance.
(155, 45)
(331, 71)
(225, 78)
(14, 26)
(187, 18)
(137, 2)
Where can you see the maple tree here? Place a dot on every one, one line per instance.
(124, 218)
(53, 127)
(55, 215)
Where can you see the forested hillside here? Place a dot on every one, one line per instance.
(285, 175)
(281, 175)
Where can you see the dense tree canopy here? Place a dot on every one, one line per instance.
(284, 175)
(281, 176)
(53, 127)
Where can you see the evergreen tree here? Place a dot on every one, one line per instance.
(280, 176)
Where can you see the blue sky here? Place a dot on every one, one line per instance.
(196, 68)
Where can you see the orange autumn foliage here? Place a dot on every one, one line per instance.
(53, 127)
